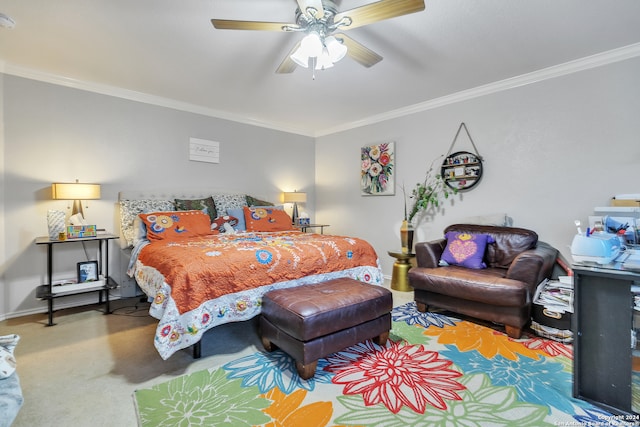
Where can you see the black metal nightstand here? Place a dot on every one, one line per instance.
(105, 283)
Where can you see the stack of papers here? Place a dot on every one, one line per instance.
(635, 290)
(555, 296)
(632, 261)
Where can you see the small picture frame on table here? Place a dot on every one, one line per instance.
(304, 221)
(87, 271)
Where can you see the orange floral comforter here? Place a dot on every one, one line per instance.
(200, 282)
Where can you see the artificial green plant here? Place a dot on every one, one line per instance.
(427, 194)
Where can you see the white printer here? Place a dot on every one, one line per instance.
(601, 248)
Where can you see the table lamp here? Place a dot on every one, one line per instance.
(75, 191)
(295, 198)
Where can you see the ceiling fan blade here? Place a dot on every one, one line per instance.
(288, 65)
(315, 4)
(226, 24)
(378, 11)
(358, 52)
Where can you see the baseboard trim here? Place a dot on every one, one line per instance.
(59, 304)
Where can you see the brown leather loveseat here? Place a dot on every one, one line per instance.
(502, 292)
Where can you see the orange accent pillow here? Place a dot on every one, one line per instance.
(176, 225)
(267, 219)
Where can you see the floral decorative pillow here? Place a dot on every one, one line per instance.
(267, 219)
(239, 213)
(176, 225)
(206, 205)
(465, 249)
(224, 202)
(129, 210)
(218, 224)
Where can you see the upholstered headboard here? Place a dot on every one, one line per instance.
(132, 202)
(172, 194)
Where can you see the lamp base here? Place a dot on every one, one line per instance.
(294, 214)
(77, 208)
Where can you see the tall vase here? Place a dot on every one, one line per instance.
(406, 237)
(55, 223)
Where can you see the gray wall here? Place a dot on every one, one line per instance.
(58, 134)
(553, 150)
(3, 242)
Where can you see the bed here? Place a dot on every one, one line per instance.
(206, 260)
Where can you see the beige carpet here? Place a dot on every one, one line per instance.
(83, 370)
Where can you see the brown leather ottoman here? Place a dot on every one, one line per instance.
(312, 321)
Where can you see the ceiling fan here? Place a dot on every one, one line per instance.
(319, 20)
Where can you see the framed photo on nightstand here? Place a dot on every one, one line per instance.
(87, 271)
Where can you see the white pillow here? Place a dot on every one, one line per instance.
(7, 360)
(139, 230)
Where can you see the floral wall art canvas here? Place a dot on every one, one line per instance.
(377, 170)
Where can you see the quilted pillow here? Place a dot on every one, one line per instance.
(465, 249)
(129, 210)
(206, 205)
(176, 225)
(224, 202)
(267, 219)
(218, 224)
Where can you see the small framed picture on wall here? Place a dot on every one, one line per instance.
(87, 271)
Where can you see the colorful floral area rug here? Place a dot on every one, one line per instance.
(435, 370)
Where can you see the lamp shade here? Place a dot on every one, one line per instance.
(337, 50)
(294, 197)
(300, 58)
(324, 61)
(311, 45)
(75, 191)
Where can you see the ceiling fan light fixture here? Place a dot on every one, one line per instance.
(324, 61)
(318, 19)
(336, 50)
(300, 58)
(311, 45)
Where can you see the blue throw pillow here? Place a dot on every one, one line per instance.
(239, 214)
(465, 249)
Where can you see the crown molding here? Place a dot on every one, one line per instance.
(145, 98)
(586, 63)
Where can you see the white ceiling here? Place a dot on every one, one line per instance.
(168, 50)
